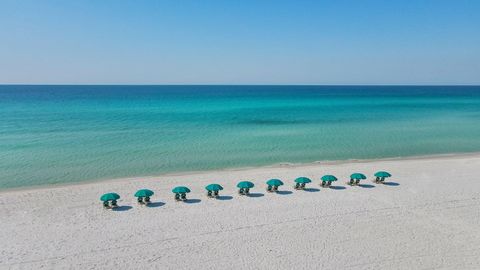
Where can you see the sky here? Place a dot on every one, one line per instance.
(240, 42)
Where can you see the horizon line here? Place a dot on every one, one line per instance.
(218, 84)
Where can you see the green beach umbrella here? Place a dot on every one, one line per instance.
(109, 197)
(181, 189)
(274, 182)
(382, 174)
(303, 180)
(358, 176)
(245, 184)
(144, 193)
(214, 187)
(329, 178)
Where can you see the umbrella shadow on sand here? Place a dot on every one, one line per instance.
(392, 184)
(255, 195)
(284, 192)
(155, 204)
(122, 208)
(192, 201)
(366, 186)
(224, 198)
(337, 187)
(311, 189)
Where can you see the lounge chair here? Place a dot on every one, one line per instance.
(241, 191)
(269, 188)
(302, 185)
(114, 203)
(105, 204)
(275, 188)
(329, 183)
(146, 200)
(177, 197)
(324, 183)
(215, 193)
(183, 196)
(357, 182)
(209, 194)
(351, 182)
(140, 200)
(297, 186)
(247, 191)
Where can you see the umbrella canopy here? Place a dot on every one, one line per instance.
(303, 180)
(109, 197)
(214, 187)
(245, 184)
(144, 193)
(358, 176)
(274, 182)
(329, 177)
(382, 174)
(181, 189)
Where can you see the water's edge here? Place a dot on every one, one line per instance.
(273, 166)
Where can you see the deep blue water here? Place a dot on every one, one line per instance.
(59, 134)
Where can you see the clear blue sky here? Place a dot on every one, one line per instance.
(240, 42)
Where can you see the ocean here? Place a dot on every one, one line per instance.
(62, 134)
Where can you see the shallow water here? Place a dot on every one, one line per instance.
(60, 134)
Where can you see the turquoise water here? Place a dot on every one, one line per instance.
(59, 134)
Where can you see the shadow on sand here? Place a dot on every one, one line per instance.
(337, 187)
(155, 204)
(255, 195)
(224, 198)
(284, 192)
(192, 201)
(122, 208)
(366, 186)
(392, 184)
(311, 189)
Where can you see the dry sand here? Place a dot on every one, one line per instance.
(426, 217)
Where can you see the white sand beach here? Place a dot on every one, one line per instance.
(426, 216)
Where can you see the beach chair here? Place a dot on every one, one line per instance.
(247, 191)
(241, 191)
(183, 196)
(114, 203)
(146, 200)
(302, 185)
(297, 186)
(140, 200)
(351, 182)
(329, 183)
(275, 188)
(215, 193)
(269, 188)
(177, 197)
(209, 194)
(106, 205)
(357, 182)
(324, 183)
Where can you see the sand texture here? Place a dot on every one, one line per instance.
(427, 216)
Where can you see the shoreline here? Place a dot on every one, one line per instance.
(239, 169)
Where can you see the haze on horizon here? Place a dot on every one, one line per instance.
(239, 42)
